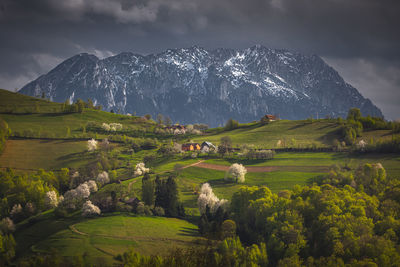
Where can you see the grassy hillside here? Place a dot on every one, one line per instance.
(11, 102)
(65, 125)
(290, 133)
(34, 117)
(46, 154)
(99, 240)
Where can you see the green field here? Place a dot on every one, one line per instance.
(193, 177)
(307, 161)
(18, 103)
(290, 133)
(32, 154)
(57, 125)
(99, 240)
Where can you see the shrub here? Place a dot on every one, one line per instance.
(158, 211)
(231, 124)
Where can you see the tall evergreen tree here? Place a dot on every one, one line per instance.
(148, 187)
(172, 196)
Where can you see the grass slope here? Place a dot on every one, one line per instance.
(302, 133)
(100, 239)
(18, 103)
(310, 161)
(46, 154)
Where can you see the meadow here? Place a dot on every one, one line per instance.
(100, 240)
(63, 144)
(33, 154)
(289, 133)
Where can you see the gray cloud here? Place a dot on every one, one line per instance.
(358, 37)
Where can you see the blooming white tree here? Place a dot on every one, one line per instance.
(177, 131)
(361, 145)
(105, 127)
(7, 225)
(115, 126)
(88, 209)
(83, 191)
(16, 210)
(74, 196)
(103, 178)
(140, 169)
(236, 173)
(208, 198)
(92, 145)
(50, 199)
(92, 186)
(112, 127)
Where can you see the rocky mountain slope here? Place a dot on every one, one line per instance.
(210, 86)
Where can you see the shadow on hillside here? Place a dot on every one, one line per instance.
(297, 126)
(327, 139)
(53, 114)
(39, 228)
(186, 231)
(78, 155)
(218, 182)
(327, 126)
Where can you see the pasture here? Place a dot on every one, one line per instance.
(100, 240)
(33, 154)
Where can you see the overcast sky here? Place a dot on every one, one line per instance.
(359, 38)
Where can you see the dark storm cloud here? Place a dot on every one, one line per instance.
(362, 34)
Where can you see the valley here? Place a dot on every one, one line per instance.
(44, 143)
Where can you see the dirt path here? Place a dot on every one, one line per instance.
(73, 229)
(194, 164)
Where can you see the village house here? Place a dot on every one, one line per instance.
(270, 117)
(191, 147)
(207, 146)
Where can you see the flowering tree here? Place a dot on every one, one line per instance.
(16, 210)
(105, 127)
(92, 145)
(74, 196)
(88, 209)
(361, 145)
(92, 186)
(208, 198)
(83, 191)
(236, 173)
(103, 178)
(50, 199)
(112, 127)
(140, 169)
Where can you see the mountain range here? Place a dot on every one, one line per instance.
(207, 86)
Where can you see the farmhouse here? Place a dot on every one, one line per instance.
(191, 147)
(270, 117)
(207, 145)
